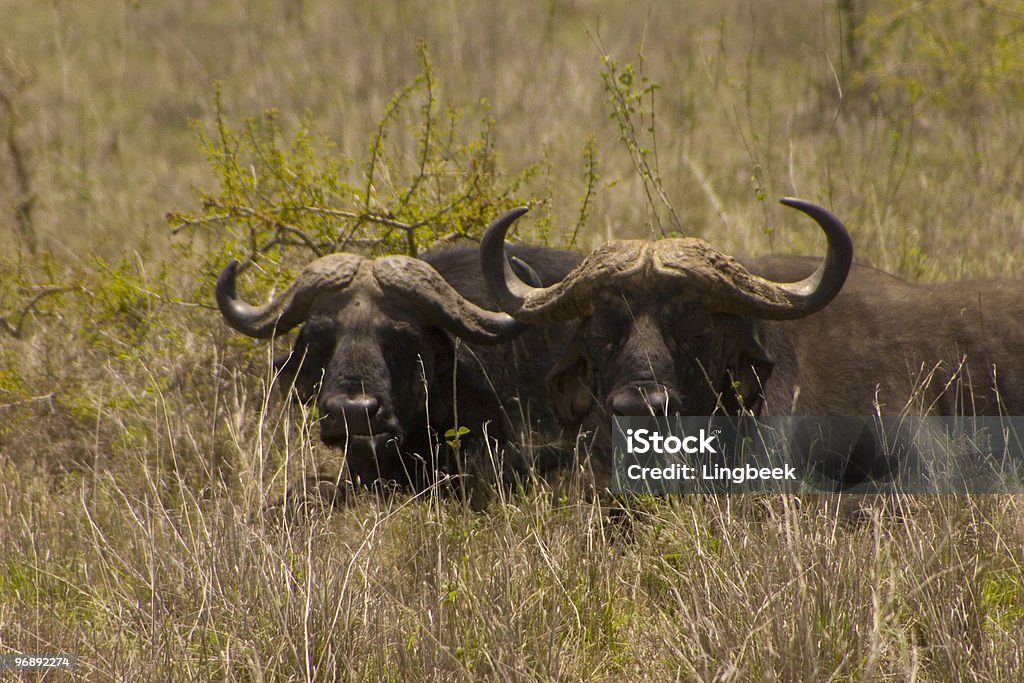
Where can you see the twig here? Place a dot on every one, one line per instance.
(428, 129)
(31, 399)
(450, 237)
(25, 203)
(279, 225)
(184, 222)
(706, 187)
(368, 217)
(590, 158)
(15, 329)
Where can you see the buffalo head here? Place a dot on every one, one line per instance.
(666, 327)
(377, 336)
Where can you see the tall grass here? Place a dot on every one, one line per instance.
(140, 446)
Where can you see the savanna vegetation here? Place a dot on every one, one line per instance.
(142, 145)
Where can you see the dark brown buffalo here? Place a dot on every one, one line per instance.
(676, 327)
(395, 351)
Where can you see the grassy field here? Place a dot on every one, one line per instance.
(140, 446)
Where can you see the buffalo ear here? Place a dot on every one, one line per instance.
(280, 361)
(285, 365)
(441, 359)
(569, 389)
(747, 375)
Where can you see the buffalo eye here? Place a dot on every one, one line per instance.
(608, 325)
(600, 344)
(683, 340)
(400, 338)
(602, 333)
(397, 337)
(404, 333)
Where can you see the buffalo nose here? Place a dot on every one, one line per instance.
(641, 401)
(352, 409)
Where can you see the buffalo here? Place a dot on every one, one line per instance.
(675, 327)
(395, 351)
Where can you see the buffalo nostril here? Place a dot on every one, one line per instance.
(352, 407)
(641, 401)
(656, 401)
(661, 402)
(672, 407)
(362, 406)
(629, 403)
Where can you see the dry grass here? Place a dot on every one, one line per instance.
(139, 447)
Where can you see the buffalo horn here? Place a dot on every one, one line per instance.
(291, 307)
(423, 289)
(681, 267)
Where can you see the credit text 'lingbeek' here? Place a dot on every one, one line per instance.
(714, 472)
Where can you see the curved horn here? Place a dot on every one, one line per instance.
(505, 285)
(816, 291)
(430, 295)
(570, 298)
(525, 272)
(291, 307)
(725, 285)
(689, 267)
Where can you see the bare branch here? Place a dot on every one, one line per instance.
(185, 222)
(27, 199)
(15, 329)
(451, 237)
(361, 217)
(31, 399)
